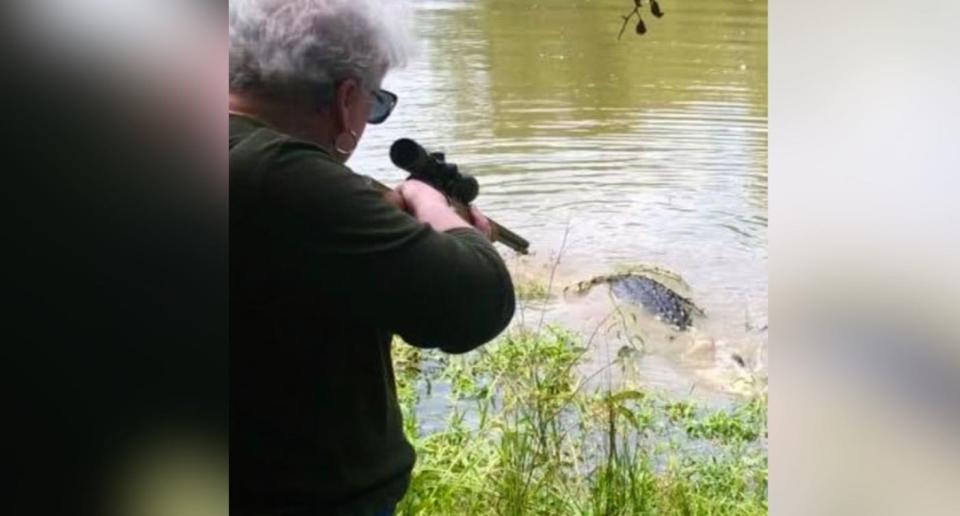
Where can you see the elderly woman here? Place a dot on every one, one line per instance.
(325, 269)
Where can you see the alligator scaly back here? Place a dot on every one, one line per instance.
(641, 289)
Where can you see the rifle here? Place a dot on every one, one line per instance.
(460, 189)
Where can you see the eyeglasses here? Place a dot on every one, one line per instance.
(383, 104)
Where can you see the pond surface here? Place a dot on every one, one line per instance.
(651, 149)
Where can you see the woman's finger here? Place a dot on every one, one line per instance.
(481, 222)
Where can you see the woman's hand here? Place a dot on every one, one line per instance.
(481, 222)
(419, 197)
(430, 206)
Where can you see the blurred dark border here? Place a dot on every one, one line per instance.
(116, 253)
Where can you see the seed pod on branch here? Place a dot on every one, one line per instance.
(641, 28)
(655, 9)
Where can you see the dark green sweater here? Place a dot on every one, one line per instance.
(323, 272)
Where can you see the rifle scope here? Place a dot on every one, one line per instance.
(432, 168)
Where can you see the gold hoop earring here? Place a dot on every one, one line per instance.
(346, 147)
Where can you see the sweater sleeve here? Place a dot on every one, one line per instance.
(380, 265)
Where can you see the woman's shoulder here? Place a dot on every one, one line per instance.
(254, 146)
(286, 169)
(249, 135)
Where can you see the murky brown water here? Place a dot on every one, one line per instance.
(650, 149)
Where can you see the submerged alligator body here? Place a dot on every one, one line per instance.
(658, 299)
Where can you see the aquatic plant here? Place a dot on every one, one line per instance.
(531, 290)
(527, 433)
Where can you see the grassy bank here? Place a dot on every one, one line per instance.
(526, 435)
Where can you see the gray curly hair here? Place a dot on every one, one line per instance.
(294, 47)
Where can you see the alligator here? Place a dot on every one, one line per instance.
(638, 286)
(666, 297)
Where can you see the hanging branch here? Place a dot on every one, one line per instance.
(641, 28)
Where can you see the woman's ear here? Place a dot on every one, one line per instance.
(345, 99)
